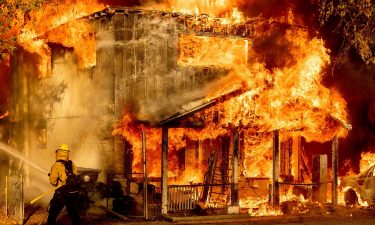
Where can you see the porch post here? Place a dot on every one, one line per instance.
(335, 148)
(164, 172)
(145, 192)
(275, 169)
(234, 195)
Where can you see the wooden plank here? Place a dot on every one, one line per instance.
(335, 147)
(235, 175)
(275, 169)
(164, 172)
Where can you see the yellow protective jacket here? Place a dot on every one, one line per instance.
(57, 175)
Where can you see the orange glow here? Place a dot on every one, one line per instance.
(78, 34)
(290, 98)
(341, 199)
(259, 207)
(211, 51)
(367, 160)
(4, 115)
(210, 7)
(51, 16)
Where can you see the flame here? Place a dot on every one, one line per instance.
(341, 198)
(51, 16)
(208, 51)
(367, 160)
(77, 34)
(259, 207)
(289, 98)
(4, 115)
(211, 7)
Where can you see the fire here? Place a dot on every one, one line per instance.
(77, 34)
(287, 96)
(257, 156)
(4, 115)
(51, 16)
(259, 207)
(367, 160)
(211, 7)
(341, 198)
(287, 99)
(290, 99)
(30, 32)
(208, 51)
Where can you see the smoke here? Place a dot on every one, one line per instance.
(356, 82)
(274, 48)
(155, 69)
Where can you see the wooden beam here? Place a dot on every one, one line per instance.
(319, 175)
(275, 170)
(145, 204)
(234, 192)
(335, 148)
(164, 172)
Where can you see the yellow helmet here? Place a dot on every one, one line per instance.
(63, 147)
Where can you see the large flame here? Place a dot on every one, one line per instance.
(367, 160)
(285, 94)
(289, 98)
(50, 16)
(30, 29)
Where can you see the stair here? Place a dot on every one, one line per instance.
(217, 179)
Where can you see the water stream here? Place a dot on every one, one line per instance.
(13, 152)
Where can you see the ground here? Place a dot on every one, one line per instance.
(324, 216)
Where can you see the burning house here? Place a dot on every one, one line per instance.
(225, 105)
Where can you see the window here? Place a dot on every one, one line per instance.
(41, 136)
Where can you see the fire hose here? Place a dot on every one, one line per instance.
(44, 194)
(41, 196)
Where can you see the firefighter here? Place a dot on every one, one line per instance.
(62, 197)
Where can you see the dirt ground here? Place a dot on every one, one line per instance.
(322, 216)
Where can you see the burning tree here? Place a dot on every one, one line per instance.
(355, 22)
(14, 15)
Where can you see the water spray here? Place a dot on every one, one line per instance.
(13, 152)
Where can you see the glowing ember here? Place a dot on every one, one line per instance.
(4, 115)
(259, 207)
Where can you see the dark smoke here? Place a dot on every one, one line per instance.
(356, 82)
(274, 48)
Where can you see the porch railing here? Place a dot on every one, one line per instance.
(183, 197)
